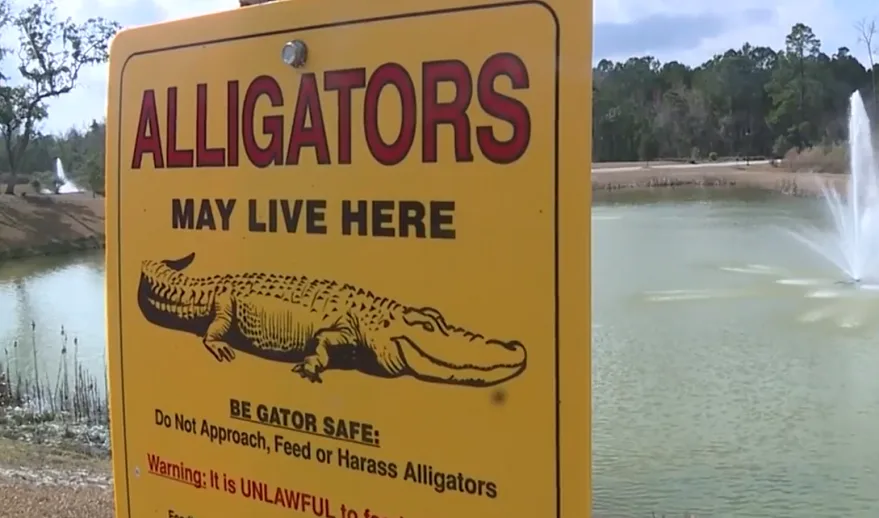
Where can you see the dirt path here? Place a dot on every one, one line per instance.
(42, 481)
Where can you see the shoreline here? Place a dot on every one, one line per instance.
(762, 177)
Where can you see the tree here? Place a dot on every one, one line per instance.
(748, 101)
(648, 147)
(866, 32)
(52, 54)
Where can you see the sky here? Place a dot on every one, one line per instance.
(689, 31)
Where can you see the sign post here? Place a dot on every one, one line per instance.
(348, 261)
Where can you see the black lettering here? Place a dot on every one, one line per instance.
(273, 215)
(183, 213)
(184, 424)
(292, 449)
(253, 223)
(412, 215)
(350, 460)
(206, 216)
(239, 409)
(291, 217)
(225, 207)
(388, 218)
(441, 481)
(350, 430)
(383, 218)
(441, 218)
(351, 216)
(315, 217)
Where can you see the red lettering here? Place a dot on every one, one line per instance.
(272, 125)
(232, 124)
(505, 108)
(447, 92)
(205, 156)
(453, 113)
(176, 157)
(394, 153)
(344, 81)
(308, 106)
(148, 138)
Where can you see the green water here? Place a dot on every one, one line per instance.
(745, 396)
(731, 376)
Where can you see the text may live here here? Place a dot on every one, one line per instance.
(377, 218)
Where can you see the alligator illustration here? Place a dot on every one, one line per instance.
(320, 325)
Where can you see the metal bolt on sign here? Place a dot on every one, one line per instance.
(294, 53)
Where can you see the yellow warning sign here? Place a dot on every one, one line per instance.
(348, 261)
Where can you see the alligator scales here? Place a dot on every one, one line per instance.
(319, 325)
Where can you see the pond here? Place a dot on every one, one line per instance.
(732, 376)
(40, 298)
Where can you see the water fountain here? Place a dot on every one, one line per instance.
(67, 186)
(852, 244)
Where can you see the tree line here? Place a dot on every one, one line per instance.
(751, 101)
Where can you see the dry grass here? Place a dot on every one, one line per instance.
(763, 177)
(39, 481)
(15, 454)
(821, 159)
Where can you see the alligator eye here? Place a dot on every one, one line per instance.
(428, 328)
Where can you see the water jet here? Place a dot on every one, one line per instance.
(853, 241)
(67, 186)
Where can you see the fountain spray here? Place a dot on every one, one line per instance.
(853, 242)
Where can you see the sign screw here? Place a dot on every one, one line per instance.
(294, 53)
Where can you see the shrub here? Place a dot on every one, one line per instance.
(712, 156)
(822, 159)
(35, 185)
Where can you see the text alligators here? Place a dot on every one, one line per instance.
(279, 138)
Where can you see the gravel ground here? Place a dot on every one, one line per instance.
(38, 481)
(22, 499)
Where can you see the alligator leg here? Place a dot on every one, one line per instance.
(314, 364)
(219, 326)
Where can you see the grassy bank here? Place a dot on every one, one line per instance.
(34, 224)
